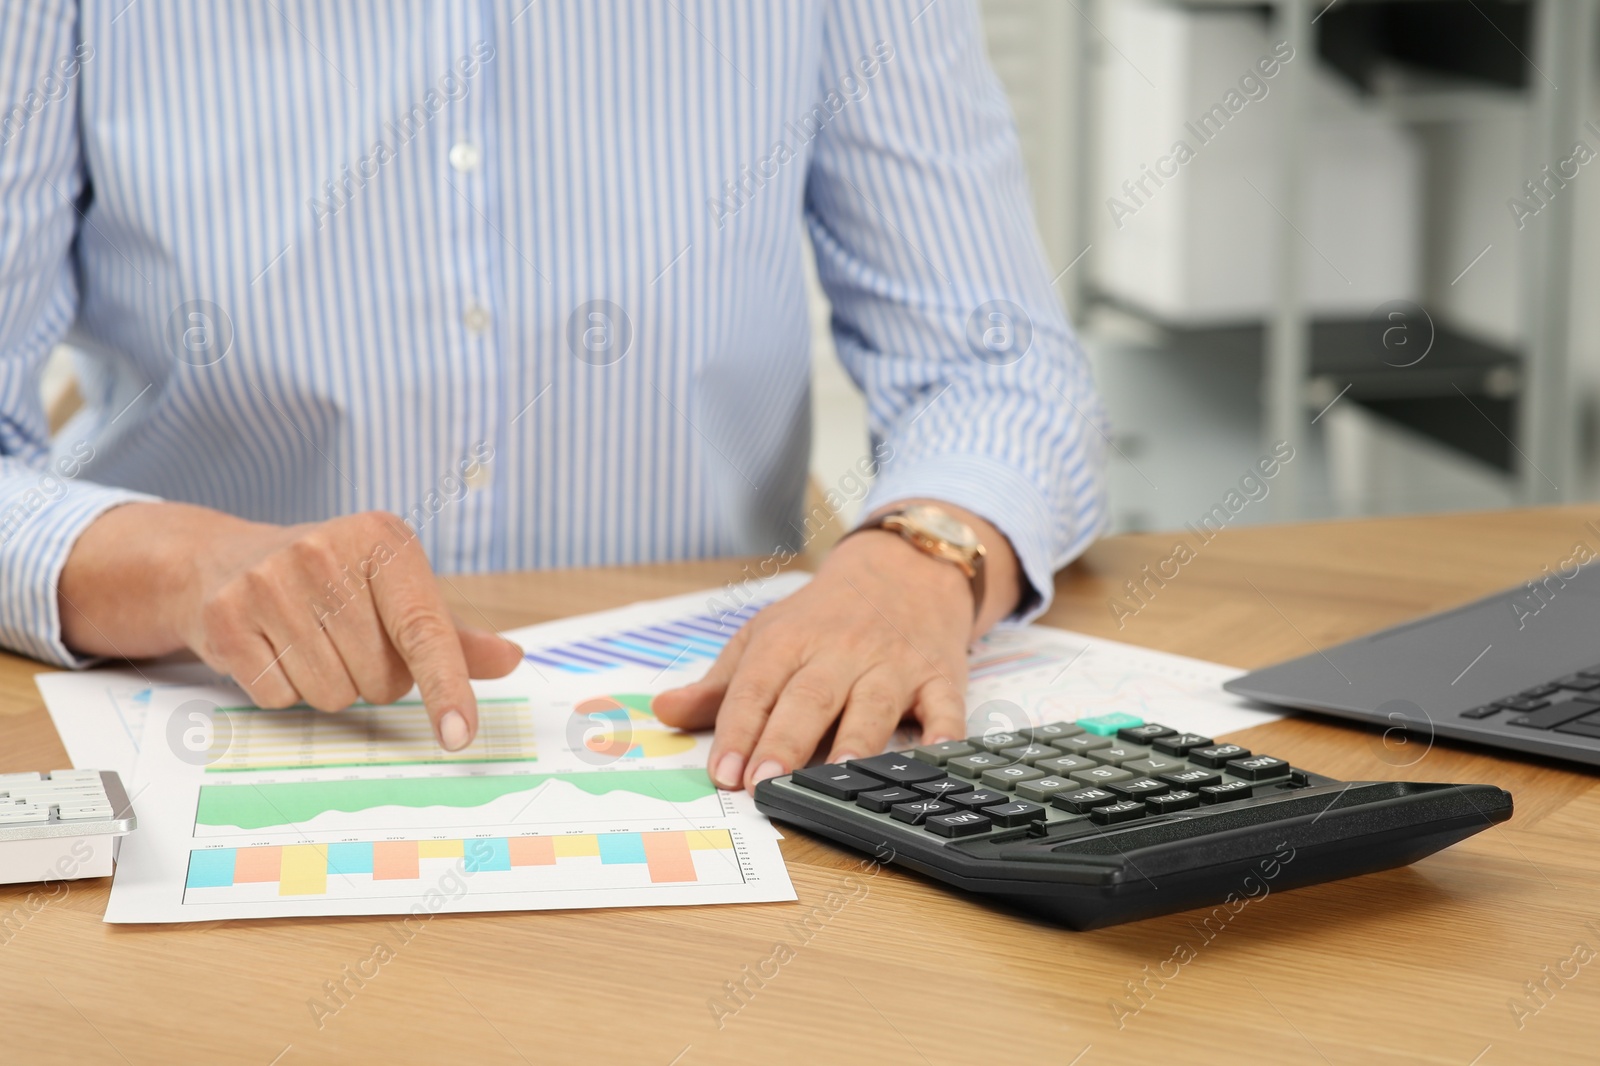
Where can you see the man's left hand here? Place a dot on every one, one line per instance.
(881, 630)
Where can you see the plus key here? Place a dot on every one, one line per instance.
(897, 768)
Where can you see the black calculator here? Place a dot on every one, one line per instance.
(1110, 819)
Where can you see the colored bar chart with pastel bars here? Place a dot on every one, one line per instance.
(679, 642)
(362, 869)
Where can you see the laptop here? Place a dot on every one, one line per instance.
(1518, 670)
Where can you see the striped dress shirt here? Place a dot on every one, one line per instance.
(530, 275)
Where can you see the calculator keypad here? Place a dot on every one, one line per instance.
(1105, 771)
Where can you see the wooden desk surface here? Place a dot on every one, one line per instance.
(1414, 965)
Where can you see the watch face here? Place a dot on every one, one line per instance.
(936, 523)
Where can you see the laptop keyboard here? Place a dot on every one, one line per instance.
(1569, 704)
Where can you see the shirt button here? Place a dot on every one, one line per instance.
(465, 157)
(478, 476)
(476, 319)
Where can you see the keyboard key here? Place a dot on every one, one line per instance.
(1106, 725)
(1257, 768)
(897, 768)
(945, 786)
(1539, 691)
(1042, 789)
(997, 741)
(1179, 800)
(918, 811)
(1195, 777)
(975, 765)
(959, 824)
(1144, 734)
(80, 814)
(1031, 753)
(1118, 754)
(1082, 745)
(1047, 734)
(939, 754)
(881, 800)
(1117, 813)
(977, 799)
(22, 814)
(1018, 812)
(1559, 714)
(1084, 800)
(1485, 711)
(1228, 790)
(1579, 682)
(1154, 765)
(1583, 727)
(1181, 744)
(1008, 776)
(1065, 764)
(1518, 703)
(1100, 775)
(840, 782)
(1218, 754)
(1139, 787)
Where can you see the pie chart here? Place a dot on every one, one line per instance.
(630, 729)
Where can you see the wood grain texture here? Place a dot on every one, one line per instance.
(1412, 966)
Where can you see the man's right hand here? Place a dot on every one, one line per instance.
(321, 613)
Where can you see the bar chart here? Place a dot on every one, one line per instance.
(377, 868)
(677, 642)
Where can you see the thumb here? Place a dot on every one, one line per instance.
(487, 654)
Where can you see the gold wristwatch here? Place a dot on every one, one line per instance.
(936, 532)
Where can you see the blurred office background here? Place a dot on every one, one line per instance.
(1399, 157)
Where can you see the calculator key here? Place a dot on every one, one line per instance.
(17, 778)
(959, 824)
(1106, 725)
(1100, 775)
(1579, 682)
(1560, 714)
(22, 814)
(918, 811)
(1084, 800)
(1139, 787)
(945, 786)
(1065, 764)
(1082, 745)
(1117, 813)
(1144, 734)
(881, 800)
(977, 799)
(939, 754)
(1217, 755)
(897, 768)
(1008, 776)
(1019, 812)
(1522, 703)
(831, 779)
(1228, 790)
(1539, 691)
(1178, 800)
(1048, 734)
(80, 814)
(1257, 768)
(1180, 744)
(1485, 711)
(1118, 754)
(1194, 777)
(997, 741)
(1031, 753)
(1155, 765)
(1043, 788)
(975, 765)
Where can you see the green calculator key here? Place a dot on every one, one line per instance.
(1106, 725)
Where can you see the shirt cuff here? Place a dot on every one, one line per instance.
(999, 495)
(37, 533)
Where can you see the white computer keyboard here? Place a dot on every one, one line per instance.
(63, 825)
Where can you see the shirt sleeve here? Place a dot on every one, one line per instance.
(46, 501)
(944, 311)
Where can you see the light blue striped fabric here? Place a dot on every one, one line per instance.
(324, 257)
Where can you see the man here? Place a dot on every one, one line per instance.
(370, 284)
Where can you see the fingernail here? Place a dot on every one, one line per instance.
(453, 734)
(843, 756)
(939, 738)
(770, 768)
(730, 768)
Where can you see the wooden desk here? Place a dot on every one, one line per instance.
(1415, 965)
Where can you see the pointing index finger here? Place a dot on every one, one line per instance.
(423, 632)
